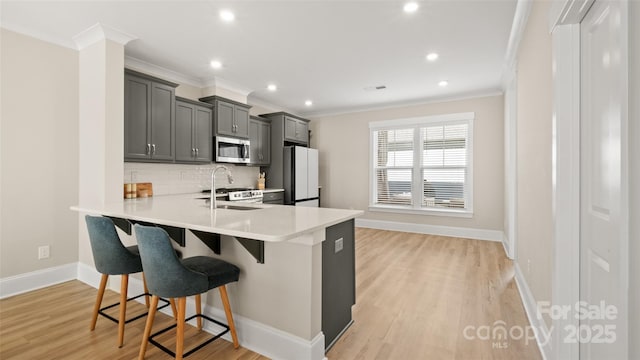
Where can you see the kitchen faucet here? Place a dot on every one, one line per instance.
(213, 183)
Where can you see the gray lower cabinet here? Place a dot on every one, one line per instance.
(231, 118)
(193, 131)
(338, 280)
(149, 118)
(260, 138)
(296, 130)
(273, 198)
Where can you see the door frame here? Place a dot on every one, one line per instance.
(565, 17)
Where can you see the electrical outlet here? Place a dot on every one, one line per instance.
(339, 245)
(43, 252)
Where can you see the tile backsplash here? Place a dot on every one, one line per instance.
(170, 179)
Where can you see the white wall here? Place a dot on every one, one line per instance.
(343, 141)
(634, 201)
(39, 156)
(534, 136)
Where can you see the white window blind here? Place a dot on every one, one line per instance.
(394, 151)
(423, 164)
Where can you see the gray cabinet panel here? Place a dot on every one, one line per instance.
(241, 120)
(224, 119)
(149, 115)
(185, 114)
(260, 137)
(338, 279)
(193, 132)
(137, 104)
(202, 134)
(273, 198)
(231, 118)
(296, 130)
(265, 143)
(254, 138)
(162, 122)
(289, 128)
(302, 131)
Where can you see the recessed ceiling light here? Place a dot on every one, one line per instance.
(432, 56)
(443, 83)
(227, 15)
(272, 87)
(216, 64)
(410, 7)
(308, 102)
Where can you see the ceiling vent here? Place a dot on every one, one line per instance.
(374, 88)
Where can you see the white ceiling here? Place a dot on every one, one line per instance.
(326, 51)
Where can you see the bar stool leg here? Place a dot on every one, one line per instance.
(182, 305)
(124, 285)
(147, 329)
(199, 311)
(146, 291)
(96, 308)
(227, 311)
(174, 310)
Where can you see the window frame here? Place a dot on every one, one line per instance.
(417, 181)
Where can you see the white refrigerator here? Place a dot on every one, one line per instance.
(301, 176)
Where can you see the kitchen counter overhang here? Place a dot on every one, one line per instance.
(263, 223)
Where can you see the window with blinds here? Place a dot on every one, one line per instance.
(422, 164)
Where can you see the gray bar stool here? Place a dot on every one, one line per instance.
(113, 258)
(168, 276)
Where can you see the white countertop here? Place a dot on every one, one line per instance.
(268, 190)
(268, 223)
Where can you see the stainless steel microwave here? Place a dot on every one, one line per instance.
(231, 150)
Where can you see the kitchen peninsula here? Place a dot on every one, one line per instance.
(296, 262)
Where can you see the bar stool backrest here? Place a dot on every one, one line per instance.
(109, 255)
(166, 275)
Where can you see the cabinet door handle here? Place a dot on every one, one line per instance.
(193, 151)
(197, 150)
(153, 149)
(148, 152)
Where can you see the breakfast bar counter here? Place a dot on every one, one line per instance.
(286, 304)
(264, 222)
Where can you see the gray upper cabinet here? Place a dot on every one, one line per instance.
(296, 130)
(286, 129)
(231, 118)
(260, 138)
(193, 131)
(149, 118)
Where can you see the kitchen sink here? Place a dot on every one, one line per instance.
(228, 206)
(235, 207)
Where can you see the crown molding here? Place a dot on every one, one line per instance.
(257, 101)
(432, 100)
(520, 17)
(161, 72)
(99, 32)
(228, 85)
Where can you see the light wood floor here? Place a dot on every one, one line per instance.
(417, 293)
(415, 296)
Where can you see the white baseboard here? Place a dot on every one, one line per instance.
(35, 280)
(469, 233)
(531, 308)
(255, 336)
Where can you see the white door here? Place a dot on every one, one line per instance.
(603, 189)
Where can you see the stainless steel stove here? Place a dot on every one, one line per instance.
(241, 194)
